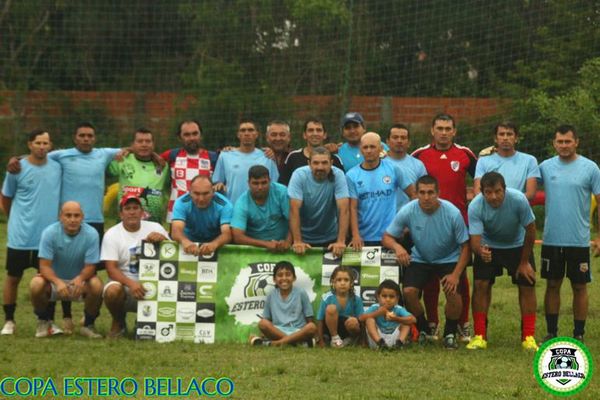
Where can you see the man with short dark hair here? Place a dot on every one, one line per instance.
(201, 218)
(569, 181)
(441, 249)
(139, 174)
(502, 229)
(187, 161)
(69, 252)
(121, 248)
(231, 171)
(319, 215)
(30, 199)
(520, 170)
(278, 138)
(261, 214)
(314, 135)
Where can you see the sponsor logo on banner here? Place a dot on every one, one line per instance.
(207, 272)
(167, 291)
(246, 300)
(165, 331)
(392, 273)
(205, 312)
(168, 271)
(205, 291)
(146, 311)
(205, 333)
(186, 312)
(146, 330)
(166, 312)
(368, 296)
(188, 271)
(148, 270)
(150, 290)
(563, 366)
(187, 291)
(371, 256)
(185, 331)
(149, 250)
(168, 251)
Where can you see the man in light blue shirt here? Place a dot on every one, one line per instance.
(30, 198)
(69, 250)
(319, 213)
(201, 218)
(398, 141)
(261, 214)
(231, 171)
(569, 181)
(373, 185)
(441, 249)
(520, 170)
(353, 128)
(502, 229)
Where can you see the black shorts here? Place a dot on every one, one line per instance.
(341, 328)
(17, 261)
(501, 258)
(418, 274)
(99, 227)
(575, 260)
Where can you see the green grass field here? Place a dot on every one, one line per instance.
(501, 371)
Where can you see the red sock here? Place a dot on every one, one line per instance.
(527, 325)
(466, 299)
(431, 294)
(479, 323)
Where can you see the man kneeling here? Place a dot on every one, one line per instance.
(68, 254)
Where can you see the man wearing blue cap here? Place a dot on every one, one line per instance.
(353, 128)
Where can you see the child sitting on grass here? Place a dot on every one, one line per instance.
(388, 324)
(288, 314)
(337, 317)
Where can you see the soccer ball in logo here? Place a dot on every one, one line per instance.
(564, 362)
(258, 284)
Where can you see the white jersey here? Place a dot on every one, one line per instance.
(124, 247)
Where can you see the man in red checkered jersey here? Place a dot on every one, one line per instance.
(187, 161)
(449, 163)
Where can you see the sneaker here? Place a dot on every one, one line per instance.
(8, 328)
(89, 332)
(530, 344)
(310, 343)
(53, 329)
(549, 336)
(255, 340)
(422, 340)
(337, 342)
(450, 342)
(68, 326)
(43, 329)
(464, 332)
(433, 333)
(576, 337)
(478, 342)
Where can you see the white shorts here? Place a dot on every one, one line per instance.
(389, 338)
(130, 301)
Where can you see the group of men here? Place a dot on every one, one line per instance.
(322, 195)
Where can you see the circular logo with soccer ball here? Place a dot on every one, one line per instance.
(563, 366)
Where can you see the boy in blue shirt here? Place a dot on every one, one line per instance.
(388, 324)
(288, 314)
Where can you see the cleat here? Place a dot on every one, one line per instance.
(529, 344)
(450, 342)
(464, 332)
(258, 341)
(89, 332)
(422, 340)
(8, 328)
(53, 329)
(433, 333)
(578, 337)
(68, 326)
(42, 329)
(478, 342)
(549, 336)
(337, 342)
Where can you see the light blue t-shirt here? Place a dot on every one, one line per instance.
(69, 254)
(35, 194)
(351, 155)
(354, 306)
(375, 190)
(502, 227)
(291, 312)
(568, 188)
(515, 169)
(384, 325)
(83, 178)
(202, 224)
(318, 214)
(437, 237)
(232, 170)
(413, 169)
(269, 221)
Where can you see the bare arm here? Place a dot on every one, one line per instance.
(240, 237)
(343, 222)
(530, 188)
(411, 192)
(357, 242)
(6, 204)
(218, 242)
(388, 241)
(298, 245)
(477, 186)
(525, 269)
(178, 234)
(450, 281)
(48, 274)
(380, 312)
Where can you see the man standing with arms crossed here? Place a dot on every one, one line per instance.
(502, 229)
(30, 199)
(569, 180)
(449, 163)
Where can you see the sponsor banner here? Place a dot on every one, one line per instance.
(221, 297)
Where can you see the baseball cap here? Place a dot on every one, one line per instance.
(128, 198)
(353, 117)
